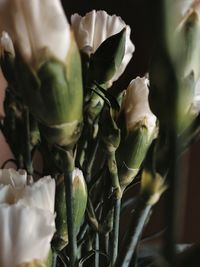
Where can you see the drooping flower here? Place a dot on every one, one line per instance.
(96, 27)
(26, 217)
(47, 68)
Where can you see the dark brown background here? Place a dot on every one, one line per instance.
(137, 13)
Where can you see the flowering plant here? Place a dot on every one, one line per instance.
(96, 144)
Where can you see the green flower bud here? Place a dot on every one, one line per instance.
(105, 62)
(138, 126)
(108, 38)
(54, 96)
(152, 187)
(79, 207)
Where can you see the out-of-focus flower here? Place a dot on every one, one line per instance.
(79, 207)
(95, 28)
(47, 65)
(138, 128)
(176, 64)
(38, 29)
(152, 187)
(26, 217)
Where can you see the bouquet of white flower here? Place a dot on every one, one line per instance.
(96, 144)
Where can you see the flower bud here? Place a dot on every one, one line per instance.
(138, 126)
(94, 30)
(152, 187)
(79, 207)
(105, 62)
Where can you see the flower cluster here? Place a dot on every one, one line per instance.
(93, 140)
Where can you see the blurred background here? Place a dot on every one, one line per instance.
(137, 14)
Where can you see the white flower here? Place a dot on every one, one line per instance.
(93, 29)
(26, 217)
(36, 27)
(136, 106)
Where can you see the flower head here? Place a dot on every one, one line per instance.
(36, 27)
(26, 217)
(96, 27)
(46, 71)
(136, 105)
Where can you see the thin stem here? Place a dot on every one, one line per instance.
(116, 221)
(68, 167)
(54, 259)
(70, 222)
(94, 146)
(97, 249)
(112, 166)
(133, 235)
(28, 160)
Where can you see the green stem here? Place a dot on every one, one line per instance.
(68, 171)
(112, 166)
(27, 160)
(116, 221)
(70, 223)
(54, 259)
(97, 249)
(133, 235)
(94, 147)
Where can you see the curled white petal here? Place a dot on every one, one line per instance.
(25, 234)
(36, 27)
(95, 27)
(136, 105)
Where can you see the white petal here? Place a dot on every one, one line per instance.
(136, 105)
(25, 234)
(17, 179)
(6, 194)
(40, 194)
(36, 27)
